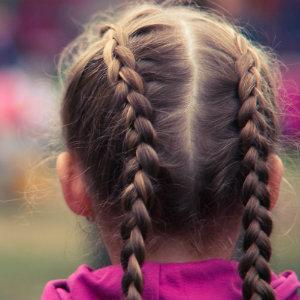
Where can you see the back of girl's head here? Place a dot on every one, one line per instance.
(171, 112)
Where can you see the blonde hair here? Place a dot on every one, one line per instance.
(172, 112)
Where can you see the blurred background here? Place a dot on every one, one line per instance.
(40, 238)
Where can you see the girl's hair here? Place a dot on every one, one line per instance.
(172, 114)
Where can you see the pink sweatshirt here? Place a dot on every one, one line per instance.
(214, 279)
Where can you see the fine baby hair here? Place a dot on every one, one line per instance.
(172, 114)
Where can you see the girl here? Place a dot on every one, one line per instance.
(170, 120)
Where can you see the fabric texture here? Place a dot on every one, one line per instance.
(213, 279)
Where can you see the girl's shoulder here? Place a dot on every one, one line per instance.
(286, 285)
(85, 283)
(213, 279)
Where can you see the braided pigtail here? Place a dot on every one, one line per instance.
(141, 164)
(254, 268)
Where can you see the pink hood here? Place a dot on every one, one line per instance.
(211, 279)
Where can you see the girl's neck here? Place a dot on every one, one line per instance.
(168, 249)
(183, 250)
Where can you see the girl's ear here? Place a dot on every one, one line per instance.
(73, 185)
(275, 168)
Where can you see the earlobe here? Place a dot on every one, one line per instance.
(72, 184)
(275, 169)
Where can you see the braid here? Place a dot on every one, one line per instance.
(254, 268)
(141, 163)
